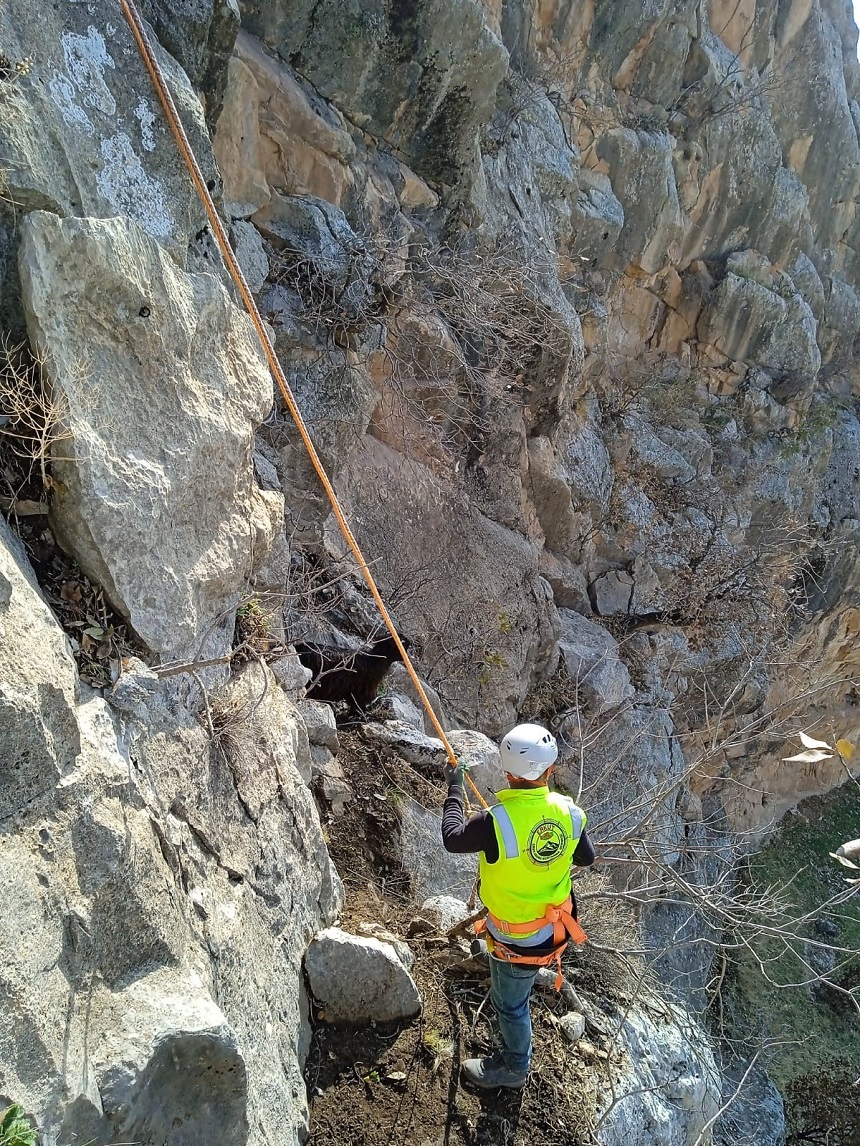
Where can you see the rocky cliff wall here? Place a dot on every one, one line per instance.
(569, 297)
(662, 403)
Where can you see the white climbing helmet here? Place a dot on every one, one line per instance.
(527, 751)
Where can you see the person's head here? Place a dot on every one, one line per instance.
(528, 753)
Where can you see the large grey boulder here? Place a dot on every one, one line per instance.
(359, 980)
(593, 661)
(398, 738)
(82, 132)
(481, 756)
(401, 739)
(750, 322)
(445, 911)
(187, 383)
(167, 1062)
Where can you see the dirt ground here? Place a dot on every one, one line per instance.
(399, 1083)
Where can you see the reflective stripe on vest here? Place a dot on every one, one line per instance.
(509, 834)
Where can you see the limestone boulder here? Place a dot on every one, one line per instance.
(329, 780)
(320, 724)
(399, 738)
(165, 1056)
(359, 980)
(152, 889)
(445, 911)
(612, 593)
(275, 132)
(235, 810)
(481, 756)
(265, 747)
(187, 383)
(82, 132)
(749, 322)
(550, 486)
(588, 467)
(593, 660)
(400, 682)
(393, 706)
(425, 78)
(572, 1026)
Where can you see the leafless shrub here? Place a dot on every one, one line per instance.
(552, 700)
(33, 419)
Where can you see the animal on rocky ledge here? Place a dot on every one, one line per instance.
(350, 675)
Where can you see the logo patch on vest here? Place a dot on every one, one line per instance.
(547, 842)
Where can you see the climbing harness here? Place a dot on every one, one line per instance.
(565, 928)
(172, 116)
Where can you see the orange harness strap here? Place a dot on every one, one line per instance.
(565, 927)
(559, 915)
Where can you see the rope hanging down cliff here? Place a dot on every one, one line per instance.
(170, 112)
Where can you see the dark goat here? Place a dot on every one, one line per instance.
(346, 674)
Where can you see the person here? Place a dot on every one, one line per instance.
(527, 843)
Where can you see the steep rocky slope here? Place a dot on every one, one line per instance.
(568, 295)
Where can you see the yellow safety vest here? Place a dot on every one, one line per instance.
(537, 832)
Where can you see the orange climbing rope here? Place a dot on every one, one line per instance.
(163, 92)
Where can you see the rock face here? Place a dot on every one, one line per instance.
(593, 662)
(82, 131)
(154, 880)
(200, 37)
(424, 78)
(185, 371)
(358, 980)
(671, 1083)
(569, 295)
(37, 690)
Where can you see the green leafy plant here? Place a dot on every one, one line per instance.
(15, 1128)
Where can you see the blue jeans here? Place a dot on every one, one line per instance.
(510, 987)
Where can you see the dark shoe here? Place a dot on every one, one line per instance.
(490, 1073)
